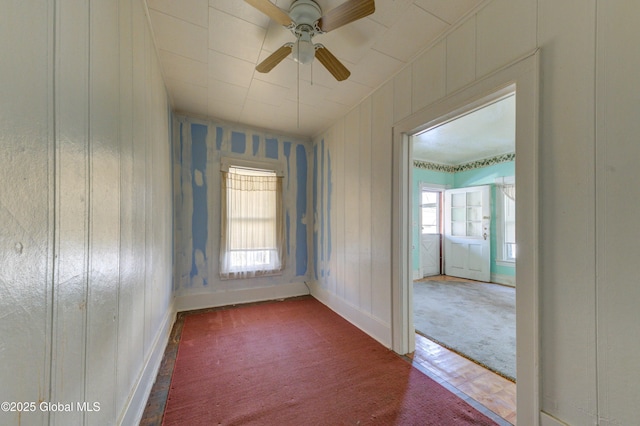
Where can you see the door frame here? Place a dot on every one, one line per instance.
(521, 76)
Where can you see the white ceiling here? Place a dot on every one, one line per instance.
(483, 133)
(208, 51)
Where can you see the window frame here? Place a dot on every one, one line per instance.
(227, 163)
(262, 164)
(438, 208)
(501, 222)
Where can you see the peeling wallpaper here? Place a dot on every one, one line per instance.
(198, 148)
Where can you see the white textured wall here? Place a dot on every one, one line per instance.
(85, 208)
(589, 104)
(617, 209)
(26, 201)
(566, 32)
(352, 216)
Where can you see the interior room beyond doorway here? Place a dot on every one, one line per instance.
(463, 180)
(464, 226)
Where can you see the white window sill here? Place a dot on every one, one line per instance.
(250, 274)
(508, 263)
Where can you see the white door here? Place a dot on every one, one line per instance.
(430, 232)
(430, 254)
(467, 238)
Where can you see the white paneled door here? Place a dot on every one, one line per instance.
(467, 238)
(430, 231)
(430, 254)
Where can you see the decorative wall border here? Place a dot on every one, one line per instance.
(478, 164)
(418, 164)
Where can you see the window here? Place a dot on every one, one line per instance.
(252, 235)
(429, 212)
(506, 212)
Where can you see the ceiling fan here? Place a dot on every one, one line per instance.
(305, 20)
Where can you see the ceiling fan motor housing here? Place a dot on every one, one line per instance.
(305, 12)
(305, 20)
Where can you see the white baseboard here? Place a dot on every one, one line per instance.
(509, 280)
(132, 413)
(192, 302)
(548, 420)
(374, 327)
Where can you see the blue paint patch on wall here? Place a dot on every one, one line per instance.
(198, 147)
(181, 164)
(256, 144)
(286, 149)
(181, 143)
(322, 211)
(301, 211)
(271, 148)
(238, 142)
(288, 226)
(316, 249)
(329, 192)
(219, 133)
(199, 218)
(172, 152)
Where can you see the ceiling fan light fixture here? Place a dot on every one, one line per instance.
(305, 20)
(303, 49)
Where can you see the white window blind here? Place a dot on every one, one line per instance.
(252, 234)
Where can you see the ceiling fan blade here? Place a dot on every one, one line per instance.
(331, 63)
(272, 11)
(275, 58)
(349, 11)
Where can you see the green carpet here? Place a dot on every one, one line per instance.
(477, 320)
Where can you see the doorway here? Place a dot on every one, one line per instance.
(520, 77)
(463, 309)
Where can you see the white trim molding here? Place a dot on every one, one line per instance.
(374, 327)
(509, 280)
(134, 409)
(192, 302)
(260, 164)
(548, 420)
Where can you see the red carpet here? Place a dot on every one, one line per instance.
(298, 363)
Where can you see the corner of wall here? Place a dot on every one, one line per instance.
(374, 327)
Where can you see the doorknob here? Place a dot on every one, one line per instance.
(485, 235)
